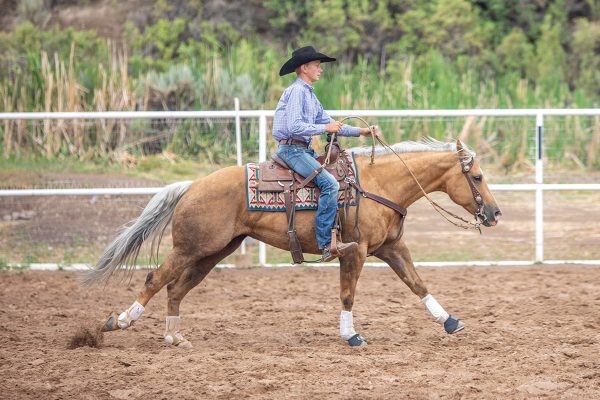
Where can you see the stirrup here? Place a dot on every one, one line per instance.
(327, 256)
(335, 250)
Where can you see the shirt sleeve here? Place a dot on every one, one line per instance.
(296, 119)
(346, 130)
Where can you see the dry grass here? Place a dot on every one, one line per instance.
(576, 140)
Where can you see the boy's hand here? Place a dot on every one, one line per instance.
(333, 127)
(367, 131)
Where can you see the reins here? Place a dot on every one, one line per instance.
(440, 210)
(335, 133)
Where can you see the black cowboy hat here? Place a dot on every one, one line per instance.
(302, 56)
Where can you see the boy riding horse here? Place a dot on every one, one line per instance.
(299, 116)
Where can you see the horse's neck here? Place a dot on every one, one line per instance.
(390, 178)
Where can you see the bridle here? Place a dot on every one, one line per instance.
(466, 167)
(479, 215)
(465, 224)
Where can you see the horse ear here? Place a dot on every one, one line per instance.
(459, 146)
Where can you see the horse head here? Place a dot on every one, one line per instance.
(467, 187)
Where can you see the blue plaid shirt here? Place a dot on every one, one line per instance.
(300, 115)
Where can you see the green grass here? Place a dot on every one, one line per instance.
(150, 167)
(38, 164)
(168, 171)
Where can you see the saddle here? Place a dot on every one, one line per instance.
(275, 175)
(274, 179)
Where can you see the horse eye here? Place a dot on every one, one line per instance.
(477, 178)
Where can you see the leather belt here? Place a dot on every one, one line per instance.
(294, 141)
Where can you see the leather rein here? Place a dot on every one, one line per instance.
(465, 168)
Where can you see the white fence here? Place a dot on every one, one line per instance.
(538, 187)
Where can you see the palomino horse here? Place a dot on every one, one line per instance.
(210, 219)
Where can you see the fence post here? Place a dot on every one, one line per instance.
(238, 147)
(539, 192)
(238, 132)
(262, 156)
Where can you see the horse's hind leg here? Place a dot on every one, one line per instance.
(155, 280)
(399, 259)
(180, 287)
(350, 269)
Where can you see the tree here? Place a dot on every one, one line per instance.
(515, 54)
(550, 56)
(586, 56)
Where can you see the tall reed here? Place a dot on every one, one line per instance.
(249, 71)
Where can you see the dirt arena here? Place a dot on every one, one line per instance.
(531, 332)
(273, 334)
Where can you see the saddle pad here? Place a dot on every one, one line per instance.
(272, 174)
(306, 198)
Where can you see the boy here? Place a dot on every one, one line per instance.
(299, 116)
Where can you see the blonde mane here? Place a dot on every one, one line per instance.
(424, 145)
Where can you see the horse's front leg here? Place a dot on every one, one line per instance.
(398, 257)
(350, 268)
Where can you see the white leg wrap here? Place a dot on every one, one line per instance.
(133, 313)
(172, 335)
(437, 311)
(346, 325)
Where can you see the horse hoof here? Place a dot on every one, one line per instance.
(357, 341)
(111, 323)
(453, 325)
(178, 341)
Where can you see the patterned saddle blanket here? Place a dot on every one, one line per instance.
(265, 183)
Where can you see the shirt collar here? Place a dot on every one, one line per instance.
(303, 83)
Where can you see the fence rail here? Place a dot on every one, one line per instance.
(539, 187)
(479, 112)
(518, 187)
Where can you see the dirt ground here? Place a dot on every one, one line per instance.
(273, 334)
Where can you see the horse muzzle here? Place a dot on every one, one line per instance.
(489, 215)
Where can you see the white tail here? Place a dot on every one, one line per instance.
(124, 250)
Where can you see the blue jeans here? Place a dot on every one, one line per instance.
(303, 161)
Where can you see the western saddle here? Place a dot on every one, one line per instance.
(276, 176)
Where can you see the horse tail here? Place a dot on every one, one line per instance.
(151, 224)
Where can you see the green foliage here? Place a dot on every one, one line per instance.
(508, 15)
(28, 260)
(157, 46)
(516, 54)
(413, 24)
(35, 11)
(393, 54)
(329, 16)
(175, 89)
(455, 29)
(551, 59)
(586, 56)
(288, 18)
